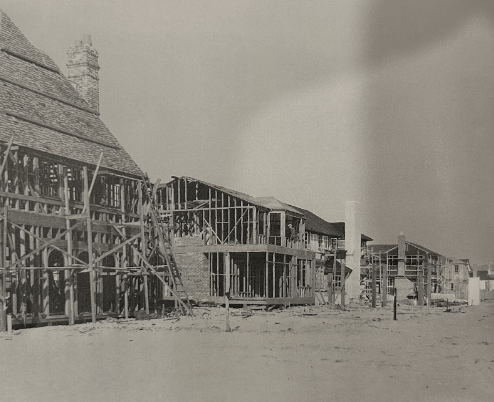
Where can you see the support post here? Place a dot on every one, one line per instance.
(68, 238)
(92, 273)
(429, 281)
(333, 295)
(384, 281)
(143, 245)
(3, 278)
(374, 293)
(395, 293)
(420, 284)
(330, 288)
(342, 303)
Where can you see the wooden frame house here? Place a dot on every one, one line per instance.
(74, 240)
(227, 242)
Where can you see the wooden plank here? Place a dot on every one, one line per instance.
(291, 300)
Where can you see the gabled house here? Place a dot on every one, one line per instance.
(406, 264)
(70, 195)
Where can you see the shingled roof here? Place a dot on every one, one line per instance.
(41, 109)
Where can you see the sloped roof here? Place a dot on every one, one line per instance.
(383, 248)
(233, 193)
(276, 205)
(315, 224)
(41, 109)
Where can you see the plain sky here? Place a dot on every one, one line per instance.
(385, 102)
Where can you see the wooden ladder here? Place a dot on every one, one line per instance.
(165, 247)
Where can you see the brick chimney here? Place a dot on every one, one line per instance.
(83, 71)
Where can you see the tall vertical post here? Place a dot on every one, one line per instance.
(143, 247)
(330, 288)
(92, 274)
(342, 303)
(333, 294)
(428, 267)
(384, 282)
(68, 238)
(3, 278)
(420, 285)
(374, 293)
(226, 263)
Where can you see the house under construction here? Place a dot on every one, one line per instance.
(76, 238)
(256, 250)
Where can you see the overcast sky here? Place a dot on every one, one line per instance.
(386, 102)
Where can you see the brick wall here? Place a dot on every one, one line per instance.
(195, 274)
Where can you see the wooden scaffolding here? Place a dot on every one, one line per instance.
(76, 242)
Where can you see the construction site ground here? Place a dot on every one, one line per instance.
(311, 353)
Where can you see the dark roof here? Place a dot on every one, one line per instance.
(484, 276)
(276, 205)
(318, 225)
(315, 224)
(41, 109)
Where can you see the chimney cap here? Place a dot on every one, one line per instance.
(86, 40)
(402, 234)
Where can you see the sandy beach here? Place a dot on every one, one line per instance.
(299, 354)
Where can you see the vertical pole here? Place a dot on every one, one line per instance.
(68, 238)
(330, 288)
(92, 273)
(333, 294)
(126, 296)
(420, 284)
(342, 303)
(395, 296)
(3, 278)
(384, 282)
(144, 246)
(46, 284)
(226, 263)
(374, 293)
(429, 281)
